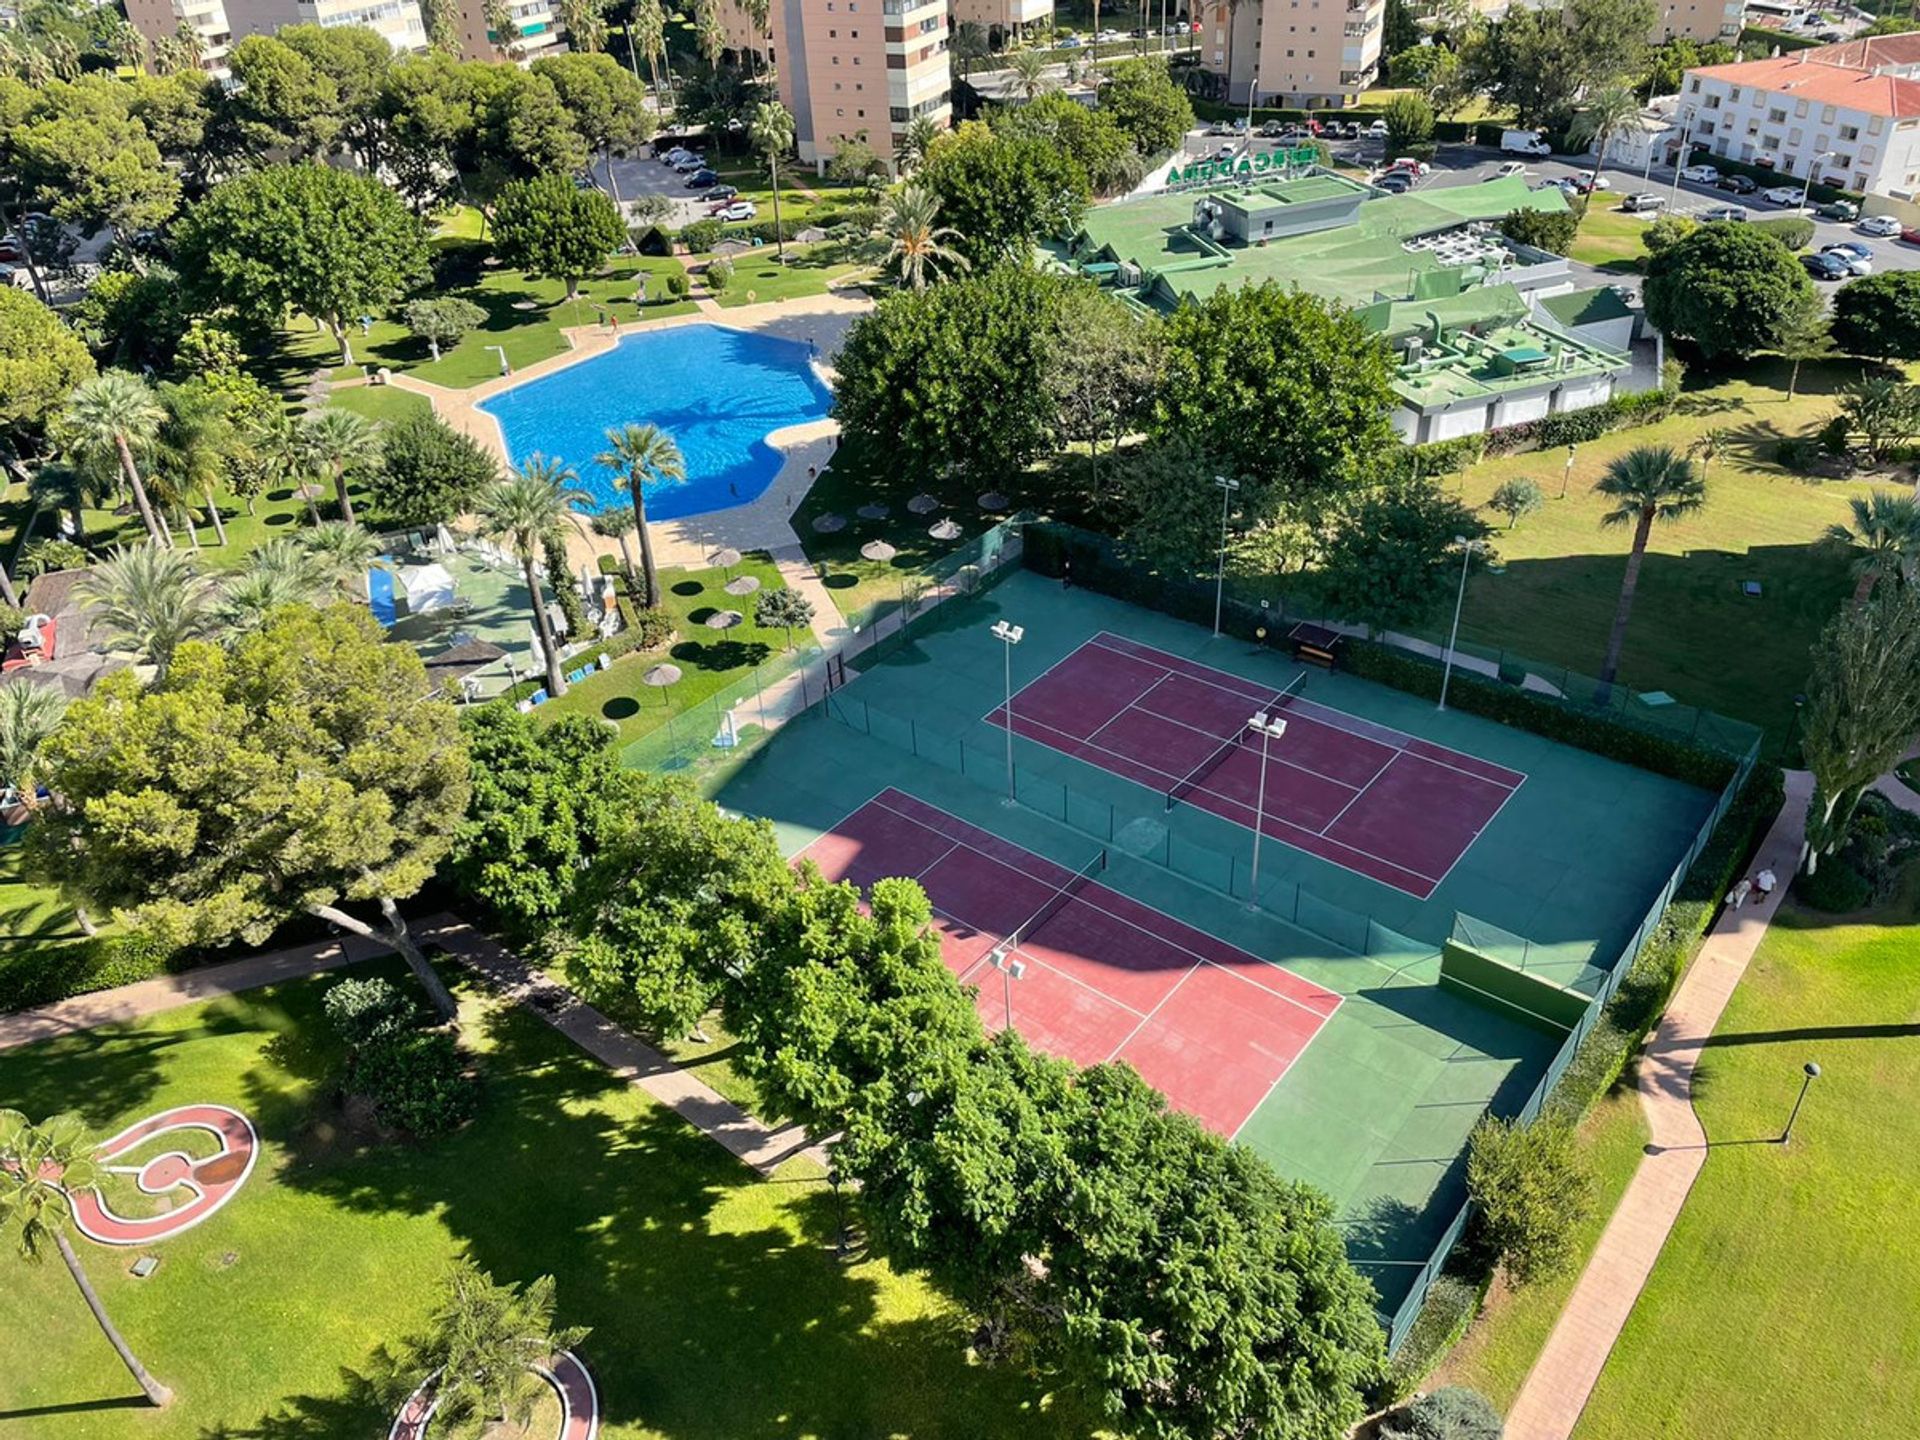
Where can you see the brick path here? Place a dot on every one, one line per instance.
(696, 1102)
(1555, 1392)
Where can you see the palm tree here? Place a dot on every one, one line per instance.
(914, 239)
(486, 1338)
(1648, 483)
(917, 141)
(709, 35)
(192, 448)
(636, 454)
(41, 1168)
(527, 508)
(618, 524)
(969, 44)
(249, 598)
(1708, 445)
(28, 715)
(117, 411)
(771, 133)
(275, 445)
(334, 441)
(1029, 69)
(58, 485)
(647, 33)
(339, 553)
(1886, 536)
(1606, 113)
(760, 13)
(149, 601)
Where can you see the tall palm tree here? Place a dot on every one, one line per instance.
(1029, 69)
(709, 34)
(1648, 483)
(58, 485)
(28, 715)
(247, 600)
(1885, 535)
(760, 13)
(340, 552)
(335, 441)
(191, 450)
(118, 412)
(41, 1168)
(636, 454)
(149, 601)
(916, 142)
(771, 133)
(647, 32)
(527, 508)
(618, 524)
(914, 240)
(276, 446)
(969, 44)
(1606, 114)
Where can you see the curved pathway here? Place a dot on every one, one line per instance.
(210, 1181)
(579, 1403)
(1555, 1392)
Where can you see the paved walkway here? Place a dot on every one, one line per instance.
(1556, 1391)
(1895, 790)
(629, 1057)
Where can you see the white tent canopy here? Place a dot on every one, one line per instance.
(428, 587)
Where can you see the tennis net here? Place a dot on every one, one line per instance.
(1056, 902)
(1197, 776)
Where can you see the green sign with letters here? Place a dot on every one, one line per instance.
(1245, 168)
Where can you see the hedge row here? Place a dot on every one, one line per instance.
(1549, 432)
(57, 972)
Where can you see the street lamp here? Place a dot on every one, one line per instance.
(1010, 970)
(1566, 476)
(1813, 167)
(1680, 160)
(1811, 1073)
(1467, 547)
(1227, 487)
(1269, 728)
(1009, 635)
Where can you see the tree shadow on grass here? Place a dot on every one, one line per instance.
(718, 1308)
(722, 655)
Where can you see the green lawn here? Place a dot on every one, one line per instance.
(759, 276)
(381, 402)
(1609, 238)
(1783, 1304)
(39, 938)
(718, 1307)
(1694, 633)
(709, 660)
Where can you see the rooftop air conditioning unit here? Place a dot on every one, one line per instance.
(1128, 275)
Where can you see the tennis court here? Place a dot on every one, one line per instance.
(1083, 971)
(1373, 800)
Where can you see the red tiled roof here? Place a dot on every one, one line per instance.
(1802, 77)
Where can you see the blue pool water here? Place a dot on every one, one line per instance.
(718, 392)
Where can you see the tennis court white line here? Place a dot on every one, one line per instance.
(1465, 849)
(1054, 970)
(1081, 899)
(1271, 759)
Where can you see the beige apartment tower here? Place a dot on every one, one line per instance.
(1316, 54)
(861, 70)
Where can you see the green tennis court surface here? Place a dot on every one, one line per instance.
(1377, 1106)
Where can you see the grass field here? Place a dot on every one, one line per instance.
(38, 931)
(381, 402)
(709, 660)
(718, 1308)
(1609, 238)
(1783, 1304)
(759, 276)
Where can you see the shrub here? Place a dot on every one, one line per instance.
(1792, 231)
(429, 472)
(1451, 1413)
(1517, 499)
(1797, 452)
(643, 630)
(1544, 230)
(1531, 1190)
(719, 274)
(1452, 1302)
(701, 236)
(1836, 887)
(679, 286)
(417, 1082)
(367, 1012)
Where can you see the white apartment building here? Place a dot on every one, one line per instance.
(398, 22)
(861, 70)
(1848, 113)
(158, 20)
(1318, 54)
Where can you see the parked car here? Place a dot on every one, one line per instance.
(1378, 127)
(1071, 42)
(11, 251)
(1737, 184)
(1782, 195)
(1910, 235)
(1411, 166)
(1852, 248)
(1724, 212)
(1826, 267)
(1509, 169)
(1587, 184)
(1701, 174)
(1642, 201)
(723, 192)
(1275, 130)
(1881, 227)
(1842, 210)
(1395, 182)
(1225, 152)
(702, 180)
(738, 210)
(1551, 182)
(687, 164)
(1857, 263)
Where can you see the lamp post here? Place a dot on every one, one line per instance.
(1813, 167)
(1010, 970)
(1566, 476)
(1269, 728)
(1227, 487)
(1009, 635)
(1467, 547)
(1680, 160)
(1810, 1073)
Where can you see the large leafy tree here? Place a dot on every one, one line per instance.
(84, 151)
(1862, 710)
(41, 361)
(1649, 483)
(355, 59)
(606, 104)
(429, 472)
(1002, 193)
(1145, 103)
(1879, 315)
(1104, 371)
(1727, 289)
(1091, 138)
(529, 508)
(281, 100)
(41, 1168)
(636, 456)
(550, 227)
(1409, 123)
(1391, 556)
(308, 237)
(1291, 391)
(302, 770)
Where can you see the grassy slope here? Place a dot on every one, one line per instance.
(1783, 1305)
(717, 1306)
(37, 929)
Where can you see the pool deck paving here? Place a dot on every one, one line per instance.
(753, 1143)
(1562, 1379)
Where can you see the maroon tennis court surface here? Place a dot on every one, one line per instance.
(1381, 803)
(1211, 1026)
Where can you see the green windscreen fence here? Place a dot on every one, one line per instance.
(1518, 994)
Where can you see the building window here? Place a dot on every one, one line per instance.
(1826, 115)
(1849, 132)
(1776, 117)
(1693, 85)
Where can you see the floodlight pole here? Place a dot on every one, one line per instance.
(1010, 971)
(1270, 728)
(1467, 547)
(1008, 635)
(1810, 1073)
(1227, 487)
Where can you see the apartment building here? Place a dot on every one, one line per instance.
(536, 31)
(1848, 113)
(158, 20)
(1002, 20)
(1703, 20)
(397, 21)
(1319, 54)
(861, 70)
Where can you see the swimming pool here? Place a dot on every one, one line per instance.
(718, 392)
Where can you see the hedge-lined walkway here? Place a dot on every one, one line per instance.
(1556, 1390)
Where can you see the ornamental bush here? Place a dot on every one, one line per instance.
(1451, 1413)
(417, 1082)
(701, 236)
(1530, 1189)
(367, 1012)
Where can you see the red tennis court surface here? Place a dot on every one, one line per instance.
(1387, 805)
(1107, 978)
